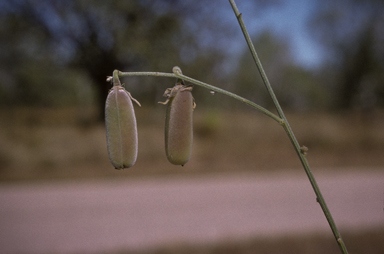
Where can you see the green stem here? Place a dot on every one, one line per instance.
(290, 133)
(177, 74)
(115, 78)
(156, 74)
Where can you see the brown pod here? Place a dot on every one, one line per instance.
(121, 128)
(179, 125)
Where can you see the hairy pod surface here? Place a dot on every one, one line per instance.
(121, 128)
(179, 125)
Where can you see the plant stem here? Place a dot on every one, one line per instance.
(290, 133)
(156, 74)
(178, 74)
(235, 96)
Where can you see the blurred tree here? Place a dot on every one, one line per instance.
(56, 45)
(45, 41)
(95, 37)
(353, 34)
(294, 86)
(274, 56)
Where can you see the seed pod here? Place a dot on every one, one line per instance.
(179, 124)
(121, 128)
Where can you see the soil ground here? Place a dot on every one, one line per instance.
(40, 145)
(48, 144)
(216, 213)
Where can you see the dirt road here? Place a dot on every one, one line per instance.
(98, 216)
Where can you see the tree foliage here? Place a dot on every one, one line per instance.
(45, 41)
(56, 52)
(352, 34)
(295, 87)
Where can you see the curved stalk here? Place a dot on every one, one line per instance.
(178, 74)
(290, 133)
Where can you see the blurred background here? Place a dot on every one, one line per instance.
(324, 59)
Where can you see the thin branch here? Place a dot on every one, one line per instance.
(290, 133)
(178, 74)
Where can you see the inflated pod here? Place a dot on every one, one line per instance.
(179, 125)
(121, 128)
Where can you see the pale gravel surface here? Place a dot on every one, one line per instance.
(98, 216)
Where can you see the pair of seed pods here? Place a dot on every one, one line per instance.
(120, 121)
